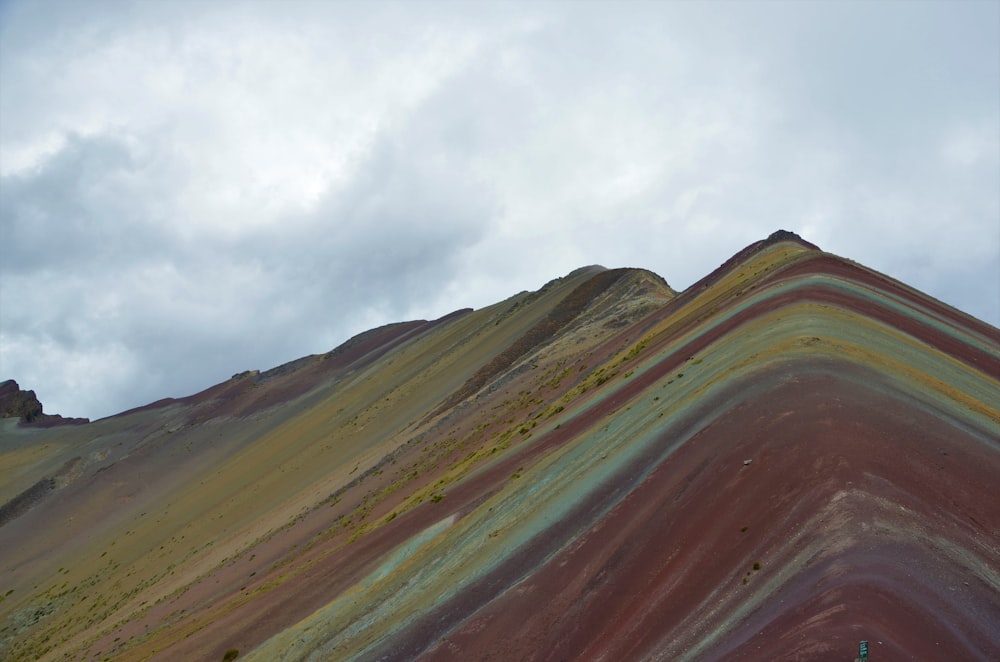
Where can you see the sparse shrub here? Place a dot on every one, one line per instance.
(756, 565)
(634, 352)
(230, 655)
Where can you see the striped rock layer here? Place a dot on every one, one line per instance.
(791, 456)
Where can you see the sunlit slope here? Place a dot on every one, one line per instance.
(792, 455)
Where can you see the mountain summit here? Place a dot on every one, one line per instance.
(793, 455)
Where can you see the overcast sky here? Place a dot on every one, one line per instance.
(193, 189)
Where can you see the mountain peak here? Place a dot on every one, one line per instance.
(785, 235)
(542, 477)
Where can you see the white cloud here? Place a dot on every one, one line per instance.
(972, 145)
(191, 190)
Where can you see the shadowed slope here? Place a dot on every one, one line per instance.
(792, 455)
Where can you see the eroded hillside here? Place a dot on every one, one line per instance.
(792, 455)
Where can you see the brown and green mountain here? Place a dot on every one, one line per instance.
(791, 456)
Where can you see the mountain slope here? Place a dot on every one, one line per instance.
(792, 455)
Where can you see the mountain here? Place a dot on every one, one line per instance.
(791, 456)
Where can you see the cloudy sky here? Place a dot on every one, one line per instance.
(193, 189)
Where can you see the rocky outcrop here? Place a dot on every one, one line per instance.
(16, 403)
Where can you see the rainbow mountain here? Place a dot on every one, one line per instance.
(794, 455)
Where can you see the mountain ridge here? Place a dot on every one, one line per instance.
(791, 455)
